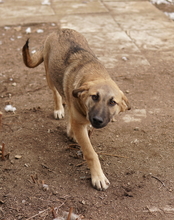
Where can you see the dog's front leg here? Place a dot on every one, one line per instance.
(99, 180)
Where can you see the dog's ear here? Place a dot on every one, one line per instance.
(125, 105)
(76, 92)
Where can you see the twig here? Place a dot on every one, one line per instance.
(112, 155)
(37, 89)
(32, 177)
(8, 126)
(53, 212)
(159, 180)
(75, 146)
(8, 116)
(70, 212)
(41, 212)
(80, 164)
(72, 148)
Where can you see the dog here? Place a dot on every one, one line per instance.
(92, 97)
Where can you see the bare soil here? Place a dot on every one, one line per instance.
(137, 149)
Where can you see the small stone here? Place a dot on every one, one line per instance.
(40, 31)
(7, 28)
(136, 129)
(17, 28)
(83, 202)
(14, 84)
(136, 141)
(45, 2)
(124, 58)
(18, 157)
(45, 187)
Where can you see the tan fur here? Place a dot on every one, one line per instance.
(91, 96)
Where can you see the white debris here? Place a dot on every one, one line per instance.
(124, 58)
(136, 141)
(45, 187)
(170, 15)
(33, 51)
(46, 2)
(12, 39)
(158, 2)
(19, 37)
(10, 108)
(40, 31)
(53, 24)
(7, 28)
(28, 30)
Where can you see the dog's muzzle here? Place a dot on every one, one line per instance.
(98, 122)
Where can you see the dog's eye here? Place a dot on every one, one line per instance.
(112, 102)
(95, 97)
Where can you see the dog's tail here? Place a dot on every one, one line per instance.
(33, 60)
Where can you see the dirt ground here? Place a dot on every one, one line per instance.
(138, 149)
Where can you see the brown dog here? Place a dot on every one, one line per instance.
(91, 96)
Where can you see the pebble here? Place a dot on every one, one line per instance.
(40, 31)
(45, 187)
(124, 58)
(13, 84)
(7, 28)
(17, 28)
(136, 129)
(46, 2)
(18, 157)
(83, 202)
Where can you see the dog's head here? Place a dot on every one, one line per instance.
(102, 100)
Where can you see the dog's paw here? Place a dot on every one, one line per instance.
(100, 182)
(59, 114)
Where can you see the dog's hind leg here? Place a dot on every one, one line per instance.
(58, 105)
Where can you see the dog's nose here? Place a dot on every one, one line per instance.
(97, 120)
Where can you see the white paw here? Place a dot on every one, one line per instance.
(100, 182)
(59, 114)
